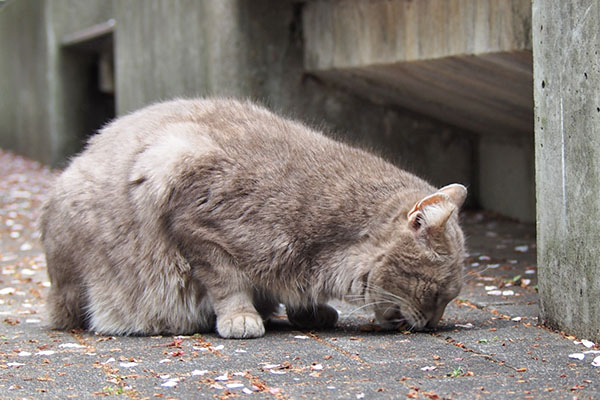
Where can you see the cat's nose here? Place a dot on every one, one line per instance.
(435, 318)
(431, 324)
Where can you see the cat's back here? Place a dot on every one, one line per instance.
(164, 129)
(136, 161)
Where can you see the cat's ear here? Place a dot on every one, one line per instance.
(456, 192)
(433, 211)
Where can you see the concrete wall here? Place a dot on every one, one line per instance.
(41, 100)
(24, 89)
(567, 109)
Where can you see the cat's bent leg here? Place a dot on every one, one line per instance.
(65, 304)
(237, 318)
(317, 317)
(66, 301)
(231, 294)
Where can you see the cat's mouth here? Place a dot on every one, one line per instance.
(392, 319)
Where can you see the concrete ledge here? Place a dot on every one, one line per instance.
(465, 62)
(355, 33)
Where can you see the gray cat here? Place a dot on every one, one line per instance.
(194, 214)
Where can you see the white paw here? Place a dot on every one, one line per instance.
(240, 326)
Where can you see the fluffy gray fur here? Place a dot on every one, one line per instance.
(194, 214)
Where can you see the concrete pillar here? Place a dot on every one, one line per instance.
(566, 46)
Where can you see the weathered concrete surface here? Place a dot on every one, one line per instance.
(354, 33)
(467, 62)
(488, 346)
(567, 109)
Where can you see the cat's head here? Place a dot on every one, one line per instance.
(420, 271)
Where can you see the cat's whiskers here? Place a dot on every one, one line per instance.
(386, 298)
(361, 308)
(474, 274)
(391, 297)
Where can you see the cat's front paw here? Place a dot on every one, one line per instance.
(240, 326)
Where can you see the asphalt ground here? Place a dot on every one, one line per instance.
(489, 344)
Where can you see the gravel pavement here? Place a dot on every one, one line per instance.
(489, 344)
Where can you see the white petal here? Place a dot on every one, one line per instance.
(577, 356)
(467, 325)
(71, 345)
(198, 372)
(235, 385)
(271, 366)
(587, 343)
(26, 247)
